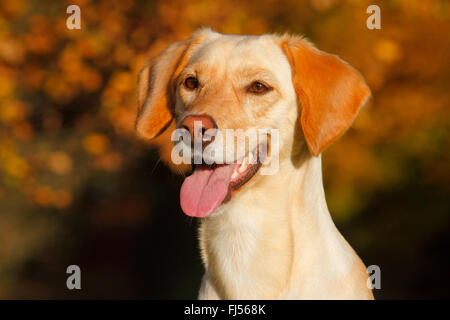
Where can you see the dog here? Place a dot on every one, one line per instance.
(261, 236)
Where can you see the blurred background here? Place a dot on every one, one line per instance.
(77, 186)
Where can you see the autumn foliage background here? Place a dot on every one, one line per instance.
(77, 186)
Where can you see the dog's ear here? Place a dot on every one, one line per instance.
(156, 88)
(331, 92)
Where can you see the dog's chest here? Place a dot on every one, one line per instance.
(243, 261)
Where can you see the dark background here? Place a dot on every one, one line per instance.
(77, 186)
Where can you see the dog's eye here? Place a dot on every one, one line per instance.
(191, 83)
(258, 88)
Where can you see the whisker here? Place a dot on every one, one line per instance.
(156, 164)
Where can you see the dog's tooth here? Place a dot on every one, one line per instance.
(235, 174)
(243, 166)
(250, 157)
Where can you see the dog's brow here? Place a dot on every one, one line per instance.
(258, 73)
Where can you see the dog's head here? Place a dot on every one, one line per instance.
(230, 96)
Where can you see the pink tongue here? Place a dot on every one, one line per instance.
(205, 189)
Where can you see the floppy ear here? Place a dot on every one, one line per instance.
(331, 92)
(156, 89)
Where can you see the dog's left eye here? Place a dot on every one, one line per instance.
(258, 88)
(191, 83)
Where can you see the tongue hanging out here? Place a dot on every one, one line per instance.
(209, 186)
(205, 190)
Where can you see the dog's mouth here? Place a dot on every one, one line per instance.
(211, 185)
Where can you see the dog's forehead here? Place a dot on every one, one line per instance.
(232, 52)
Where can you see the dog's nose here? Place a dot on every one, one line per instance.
(200, 127)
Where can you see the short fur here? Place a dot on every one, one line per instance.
(275, 238)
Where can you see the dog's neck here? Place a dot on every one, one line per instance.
(260, 245)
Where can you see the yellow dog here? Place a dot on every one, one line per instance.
(261, 236)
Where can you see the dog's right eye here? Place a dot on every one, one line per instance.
(191, 83)
(258, 88)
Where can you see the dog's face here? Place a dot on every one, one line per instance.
(256, 86)
(241, 83)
